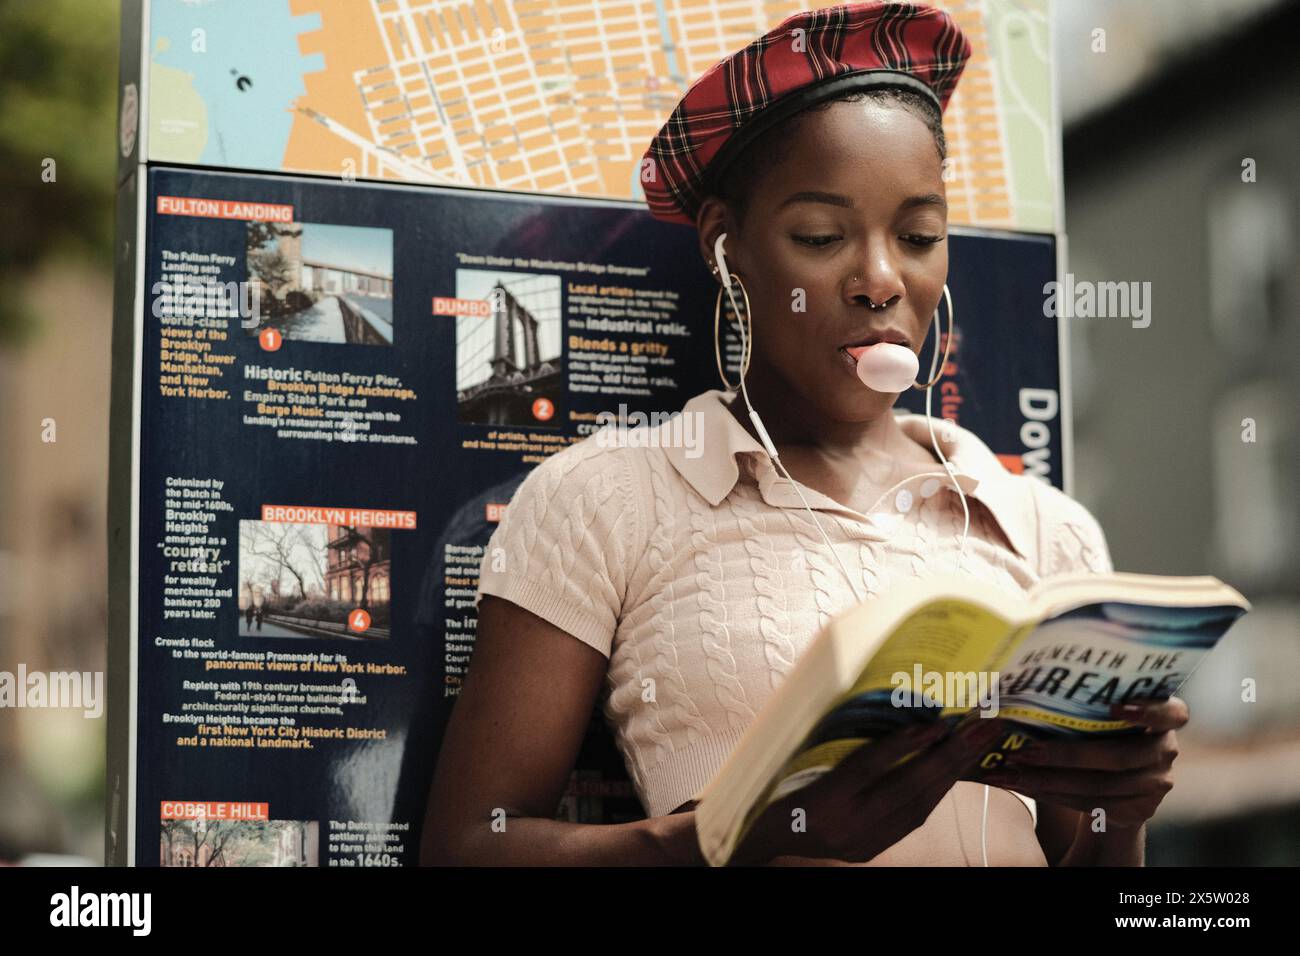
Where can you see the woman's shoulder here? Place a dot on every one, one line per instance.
(597, 482)
(1071, 538)
(566, 543)
(1054, 506)
(599, 455)
(640, 452)
(1067, 534)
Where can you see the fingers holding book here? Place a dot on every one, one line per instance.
(873, 798)
(1156, 715)
(1126, 777)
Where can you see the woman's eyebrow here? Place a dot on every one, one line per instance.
(835, 199)
(929, 199)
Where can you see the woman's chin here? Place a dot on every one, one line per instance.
(854, 402)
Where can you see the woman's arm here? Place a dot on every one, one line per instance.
(510, 748)
(1056, 830)
(1118, 846)
(1068, 839)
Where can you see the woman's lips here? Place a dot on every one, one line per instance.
(890, 336)
(851, 360)
(855, 351)
(852, 353)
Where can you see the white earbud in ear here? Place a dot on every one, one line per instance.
(720, 258)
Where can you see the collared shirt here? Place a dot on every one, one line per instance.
(972, 466)
(678, 552)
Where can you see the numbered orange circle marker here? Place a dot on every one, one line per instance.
(543, 409)
(270, 339)
(359, 621)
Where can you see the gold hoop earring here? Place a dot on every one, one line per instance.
(747, 337)
(947, 344)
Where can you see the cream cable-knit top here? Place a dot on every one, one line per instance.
(697, 572)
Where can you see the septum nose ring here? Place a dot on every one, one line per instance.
(871, 305)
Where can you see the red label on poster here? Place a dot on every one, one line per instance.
(446, 306)
(199, 810)
(224, 209)
(352, 517)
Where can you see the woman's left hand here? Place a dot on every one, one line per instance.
(1126, 777)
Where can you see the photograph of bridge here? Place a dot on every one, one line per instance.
(508, 363)
(316, 282)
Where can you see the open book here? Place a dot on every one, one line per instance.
(1052, 661)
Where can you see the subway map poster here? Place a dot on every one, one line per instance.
(556, 96)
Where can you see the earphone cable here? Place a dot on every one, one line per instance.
(745, 352)
(745, 347)
(929, 418)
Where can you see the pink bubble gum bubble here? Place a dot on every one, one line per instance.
(886, 367)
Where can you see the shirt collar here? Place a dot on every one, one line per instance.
(714, 471)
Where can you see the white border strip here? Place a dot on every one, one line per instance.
(142, 130)
(1062, 257)
(137, 386)
(137, 377)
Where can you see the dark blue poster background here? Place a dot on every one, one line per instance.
(1004, 345)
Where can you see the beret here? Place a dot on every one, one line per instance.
(810, 57)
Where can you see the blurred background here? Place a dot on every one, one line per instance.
(1156, 134)
(1158, 128)
(58, 101)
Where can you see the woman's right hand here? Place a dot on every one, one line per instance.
(865, 804)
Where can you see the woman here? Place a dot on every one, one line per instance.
(692, 583)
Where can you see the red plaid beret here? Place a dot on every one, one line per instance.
(854, 46)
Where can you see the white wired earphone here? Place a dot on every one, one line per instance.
(885, 367)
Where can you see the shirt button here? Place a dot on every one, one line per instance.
(929, 487)
(903, 500)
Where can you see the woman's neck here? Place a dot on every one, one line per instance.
(796, 424)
